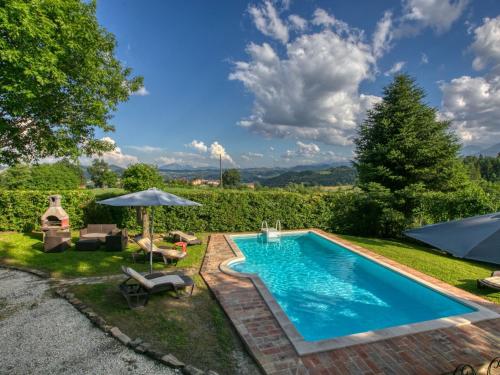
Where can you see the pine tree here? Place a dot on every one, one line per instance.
(402, 143)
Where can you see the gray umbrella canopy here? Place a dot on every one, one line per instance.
(476, 237)
(149, 198)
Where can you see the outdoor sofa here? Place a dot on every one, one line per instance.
(491, 282)
(169, 255)
(114, 238)
(137, 288)
(188, 237)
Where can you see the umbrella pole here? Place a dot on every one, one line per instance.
(151, 240)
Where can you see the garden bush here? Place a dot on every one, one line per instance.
(348, 211)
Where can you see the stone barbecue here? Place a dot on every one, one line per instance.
(55, 218)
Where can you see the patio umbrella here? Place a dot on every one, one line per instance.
(474, 237)
(149, 198)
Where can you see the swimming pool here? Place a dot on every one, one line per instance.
(328, 291)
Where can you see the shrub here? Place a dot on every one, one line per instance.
(374, 212)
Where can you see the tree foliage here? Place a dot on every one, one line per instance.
(401, 143)
(231, 177)
(101, 175)
(141, 176)
(59, 80)
(61, 175)
(485, 167)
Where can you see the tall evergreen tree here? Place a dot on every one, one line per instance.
(403, 144)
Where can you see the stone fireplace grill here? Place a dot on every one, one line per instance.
(55, 218)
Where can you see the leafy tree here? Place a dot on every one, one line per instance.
(141, 176)
(485, 167)
(61, 175)
(59, 80)
(401, 143)
(101, 175)
(231, 177)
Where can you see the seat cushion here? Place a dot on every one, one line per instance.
(493, 280)
(170, 279)
(94, 235)
(170, 253)
(148, 284)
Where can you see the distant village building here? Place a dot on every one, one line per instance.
(203, 182)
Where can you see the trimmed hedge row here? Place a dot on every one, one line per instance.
(349, 211)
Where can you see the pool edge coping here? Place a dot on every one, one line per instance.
(303, 347)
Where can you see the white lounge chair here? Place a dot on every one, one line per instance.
(189, 237)
(491, 282)
(137, 293)
(168, 254)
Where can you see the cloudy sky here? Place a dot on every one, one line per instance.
(286, 82)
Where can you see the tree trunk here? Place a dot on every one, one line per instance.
(143, 219)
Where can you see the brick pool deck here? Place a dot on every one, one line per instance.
(431, 352)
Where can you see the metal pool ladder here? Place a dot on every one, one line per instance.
(271, 234)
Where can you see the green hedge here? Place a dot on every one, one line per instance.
(350, 211)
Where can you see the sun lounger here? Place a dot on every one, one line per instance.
(169, 255)
(189, 237)
(137, 293)
(491, 282)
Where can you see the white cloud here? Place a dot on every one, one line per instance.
(437, 14)
(142, 91)
(312, 92)
(145, 148)
(323, 18)
(303, 151)
(268, 21)
(247, 156)
(217, 151)
(116, 156)
(396, 68)
(165, 160)
(473, 104)
(307, 149)
(424, 59)
(297, 22)
(382, 36)
(486, 44)
(198, 146)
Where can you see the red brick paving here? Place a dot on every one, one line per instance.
(432, 352)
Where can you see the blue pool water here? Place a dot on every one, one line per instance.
(329, 291)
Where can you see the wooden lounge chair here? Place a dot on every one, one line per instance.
(188, 238)
(169, 255)
(137, 293)
(491, 282)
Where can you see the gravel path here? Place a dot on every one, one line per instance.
(41, 334)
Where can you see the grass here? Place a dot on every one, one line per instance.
(194, 329)
(457, 272)
(25, 250)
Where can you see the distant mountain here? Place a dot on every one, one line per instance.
(181, 167)
(490, 151)
(318, 167)
(478, 150)
(342, 175)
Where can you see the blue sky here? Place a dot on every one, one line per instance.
(275, 83)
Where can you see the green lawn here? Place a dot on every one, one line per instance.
(25, 250)
(194, 328)
(460, 273)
